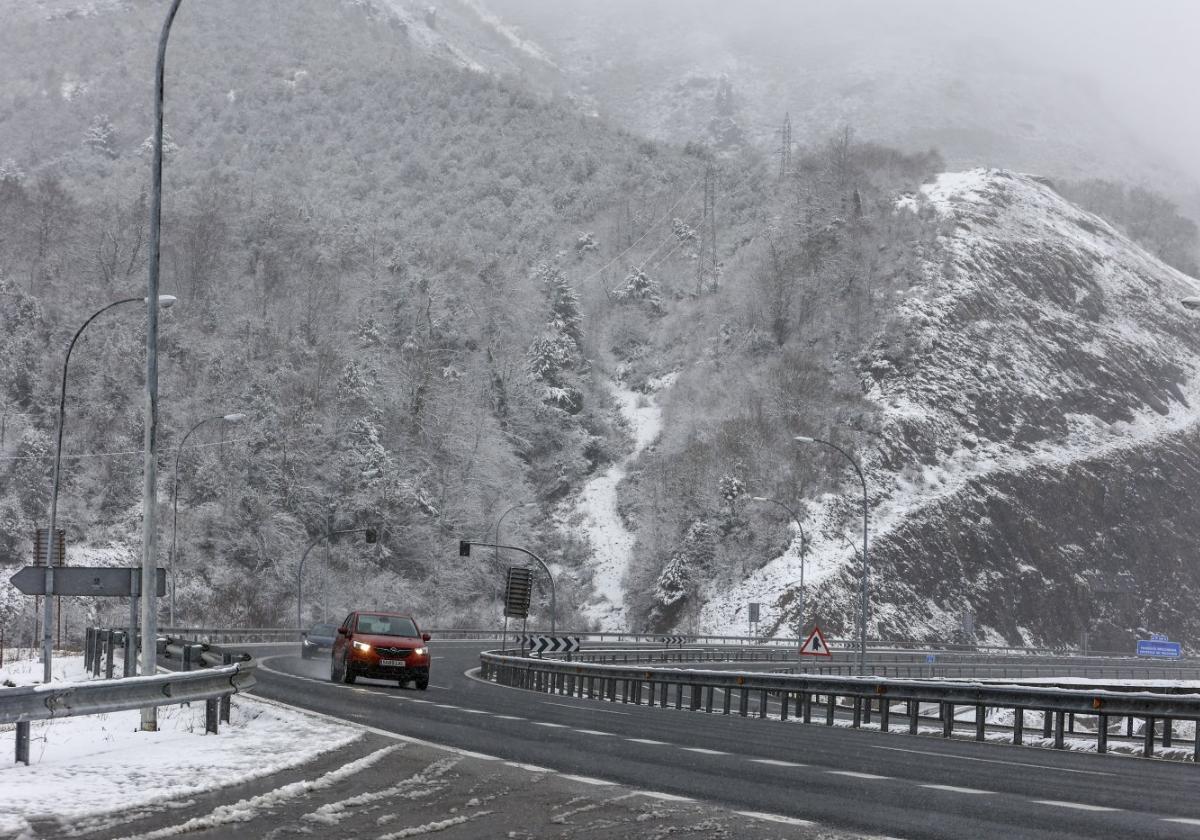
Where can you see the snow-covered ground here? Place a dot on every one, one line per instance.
(1024, 211)
(83, 767)
(611, 541)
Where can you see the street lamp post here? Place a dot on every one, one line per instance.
(371, 536)
(48, 615)
(862, 596)
(150, 459)
(803, 554)
(228, 418)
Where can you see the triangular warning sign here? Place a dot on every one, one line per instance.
(815, 645)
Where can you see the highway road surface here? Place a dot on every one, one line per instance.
(861, 782)
(524, 765)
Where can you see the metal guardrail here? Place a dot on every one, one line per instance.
(802, 693)
(903, 648)
(21, 706)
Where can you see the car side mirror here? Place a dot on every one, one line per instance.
(304, 633)
(425, 637)
(342, 631)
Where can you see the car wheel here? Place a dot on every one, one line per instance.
(422, 683)
(348, 675)
(304, 654)
(333, 670)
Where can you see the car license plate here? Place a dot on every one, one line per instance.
(394, 663)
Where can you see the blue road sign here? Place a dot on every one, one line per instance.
(1156, 647)
(930, 658)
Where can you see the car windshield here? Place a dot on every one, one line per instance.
(386, 625)
(322, 630)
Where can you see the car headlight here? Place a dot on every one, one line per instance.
(361, 646)
(421, 651)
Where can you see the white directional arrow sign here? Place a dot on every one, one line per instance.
(815, 645)
(555, 644)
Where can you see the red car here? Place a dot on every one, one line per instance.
(383, 646)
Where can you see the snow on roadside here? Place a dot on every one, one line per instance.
(89, 766)
(611, 541)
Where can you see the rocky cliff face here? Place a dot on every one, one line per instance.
(1038, 460)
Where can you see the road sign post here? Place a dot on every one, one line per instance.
(518, 585)
(815, 644)
(1159, 646)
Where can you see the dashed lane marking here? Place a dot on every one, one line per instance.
(1078, 806)
(585, 709)
(510, 717)
(1181, 820)
(775, 818)
(549, 725)
(474, 711)
(649, 741)
(854, 774)
(703, 751)
(774, 762)
(591, 732)
(939, 754)
(956, 789)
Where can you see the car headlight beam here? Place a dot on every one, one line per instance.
(361, 646)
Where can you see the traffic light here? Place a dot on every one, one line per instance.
(372, 535)
(464, 548)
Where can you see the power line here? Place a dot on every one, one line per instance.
(614, 260)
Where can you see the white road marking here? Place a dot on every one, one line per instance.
(956, 789)
(476, 711)
(854, 774)
(549, 725)
(1078, 806)
(1181, 820)
(774, 762)
(704, 751)
(993, 761)
(775, 818)
(532, 768)
(585, 709)
(665, 797)
(442, 687)
(587, 780)
(511, 717)
(591, 732)
(649, 741)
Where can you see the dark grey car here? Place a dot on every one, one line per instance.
(318, 638)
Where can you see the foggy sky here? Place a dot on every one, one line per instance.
(1142, 55)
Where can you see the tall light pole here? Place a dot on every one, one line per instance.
(371, 535)
(150, 465)
(803, 554)
(228, 418)
(500, 522)
(862, 596)
(48, 615)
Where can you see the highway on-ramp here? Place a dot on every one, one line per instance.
(863, 781)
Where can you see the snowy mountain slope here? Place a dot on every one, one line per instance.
(1036, 390)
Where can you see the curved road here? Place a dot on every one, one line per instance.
(859, 781)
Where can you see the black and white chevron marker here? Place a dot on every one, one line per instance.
(555, 644)
(672, 640)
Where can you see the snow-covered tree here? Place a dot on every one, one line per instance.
(101, 136)
(170, 147)
(639, 288)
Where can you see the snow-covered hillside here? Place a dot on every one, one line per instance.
(1037, 392)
